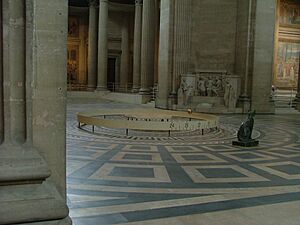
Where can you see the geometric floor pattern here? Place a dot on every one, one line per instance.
(119, 179)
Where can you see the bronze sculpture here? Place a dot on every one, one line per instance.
(244, 134)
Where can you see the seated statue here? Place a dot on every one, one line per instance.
(245, 132)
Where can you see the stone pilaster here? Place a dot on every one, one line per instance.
(298, 90)
(92, 51)
(264, 41)
(102, 46)
(30, 189)
(125, 54)
(147, 47)
(137, 46)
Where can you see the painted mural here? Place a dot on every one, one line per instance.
(73, 60)
(289, 13)
(286, 67)
(287, 64)
(73, 27)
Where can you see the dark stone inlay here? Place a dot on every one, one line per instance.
(220, 173)
(289, 169)
(137, 157)
(80, 153)
(247, 156)
(152, 214)
(140, 147)
(132, 172)
(285, 152)
(182, 148)
(195, 157)
(219, 147)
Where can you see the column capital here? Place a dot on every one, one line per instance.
(93, 3)
(138, 2)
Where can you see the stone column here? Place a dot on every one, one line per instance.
(15, 69)
(148, 45)
(1, 77)
(137, 46)
(165, 53)
(175, 41)
(264, 42)
(92, 51)
(156, 48)
(102, 46)
(298, 90)
(244, 34)
(125, 54)
(33, 187)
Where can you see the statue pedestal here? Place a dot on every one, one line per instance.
(250, 143)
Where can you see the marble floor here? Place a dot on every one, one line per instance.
(186, 178)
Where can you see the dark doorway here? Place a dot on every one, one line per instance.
(111, 72)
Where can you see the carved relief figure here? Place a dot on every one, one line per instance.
(186, 91)
(189, 93)
(209, 87)
(226, 93)
(232, 97)
(182, 90)
(201, 87)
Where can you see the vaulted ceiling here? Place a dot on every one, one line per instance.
(84, 3)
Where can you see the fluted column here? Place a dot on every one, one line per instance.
(102, 46)
(92, 51)
(125, 54)
(148, 45)
(156, 48)
(137, 46)
(182, 41)
(244, 20)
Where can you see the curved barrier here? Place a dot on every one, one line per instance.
(148, 119)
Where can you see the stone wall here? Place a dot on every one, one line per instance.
(214, 34)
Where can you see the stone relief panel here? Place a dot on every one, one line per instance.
(208, 89)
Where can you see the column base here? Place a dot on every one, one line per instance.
(135, 89)
(65, 221)
(145, 91)
(29, 203)
(101, 89)
(173, 99)
(91, 88)
(19, 163)
(244, 103)
(298, 102)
